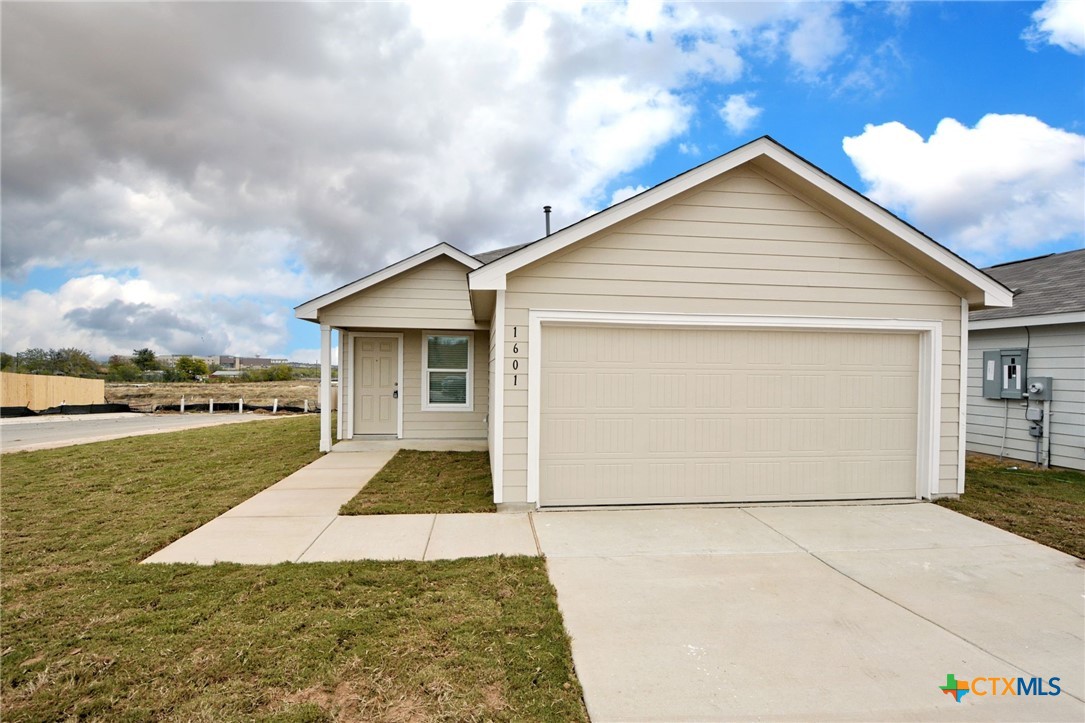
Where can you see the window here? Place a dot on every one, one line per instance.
(446, 365)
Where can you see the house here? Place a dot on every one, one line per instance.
(1044, 332)
(750, 330)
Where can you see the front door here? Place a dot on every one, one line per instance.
(376, 393)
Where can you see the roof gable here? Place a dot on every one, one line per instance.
(772, 158)
(310, 308)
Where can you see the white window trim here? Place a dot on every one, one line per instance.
(928, 443)
(469, 406)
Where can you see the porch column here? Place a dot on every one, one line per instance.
(325, 388)
(340, 416)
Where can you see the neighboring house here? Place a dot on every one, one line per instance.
(1047, 322)
(750, 330)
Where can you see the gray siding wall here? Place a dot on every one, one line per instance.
(1056, 351)
(741, 244)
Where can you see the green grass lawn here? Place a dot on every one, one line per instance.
(88, 633)
(425, 482)
(1045, 505)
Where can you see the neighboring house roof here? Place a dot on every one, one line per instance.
(774, 158)
(309, 309)
(1044, 286)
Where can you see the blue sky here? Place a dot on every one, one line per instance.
(186, 201)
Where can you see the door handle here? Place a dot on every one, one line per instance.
(395, 394)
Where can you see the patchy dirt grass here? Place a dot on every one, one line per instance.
(90, 634)
(1045, 505)
(415, 482)
(143, 397)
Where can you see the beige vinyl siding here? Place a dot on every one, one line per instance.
(739, 245)
(419, 424)
(430, 296)
(1056, 351)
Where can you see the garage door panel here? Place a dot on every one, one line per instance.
(693, 415)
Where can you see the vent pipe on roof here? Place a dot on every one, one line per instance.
(546, 211)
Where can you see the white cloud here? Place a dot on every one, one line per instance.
(738, 114)
(1059, 22)
(818, 39)
(689, 149)
(308, 144)
(626, 192)
(1010, 183)
(106, 315)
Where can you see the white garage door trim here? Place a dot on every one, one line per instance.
(930, 363)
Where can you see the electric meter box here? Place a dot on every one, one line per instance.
(1039, 388)
(1004, 374)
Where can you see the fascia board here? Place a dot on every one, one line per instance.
(1068, 317)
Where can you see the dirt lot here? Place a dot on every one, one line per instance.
(144, 397)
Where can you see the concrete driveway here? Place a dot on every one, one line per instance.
(850, 612)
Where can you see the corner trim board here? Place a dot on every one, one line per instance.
(498, 450)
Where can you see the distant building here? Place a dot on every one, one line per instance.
(225, 361)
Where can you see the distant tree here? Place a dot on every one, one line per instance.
(74, 362)
(121, 369)
(186, 369)
(274, 373)
(7, 362)
(35, 361)
(145, 360)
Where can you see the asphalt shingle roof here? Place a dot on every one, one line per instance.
(487, 257)
(1052, 284)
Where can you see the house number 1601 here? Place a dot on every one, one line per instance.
(515, 362)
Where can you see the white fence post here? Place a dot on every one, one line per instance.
(275, 406)
(182, 404)
(240, 405)
(211, 406)
(306, 406)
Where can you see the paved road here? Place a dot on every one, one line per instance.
(25, 434)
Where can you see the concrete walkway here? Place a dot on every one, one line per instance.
(297, 520)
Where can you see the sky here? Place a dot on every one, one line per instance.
(180, 176)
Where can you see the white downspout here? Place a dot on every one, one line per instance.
(962, 416)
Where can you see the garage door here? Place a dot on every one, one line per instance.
(634, 415)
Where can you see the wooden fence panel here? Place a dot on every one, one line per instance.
(42, 392)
